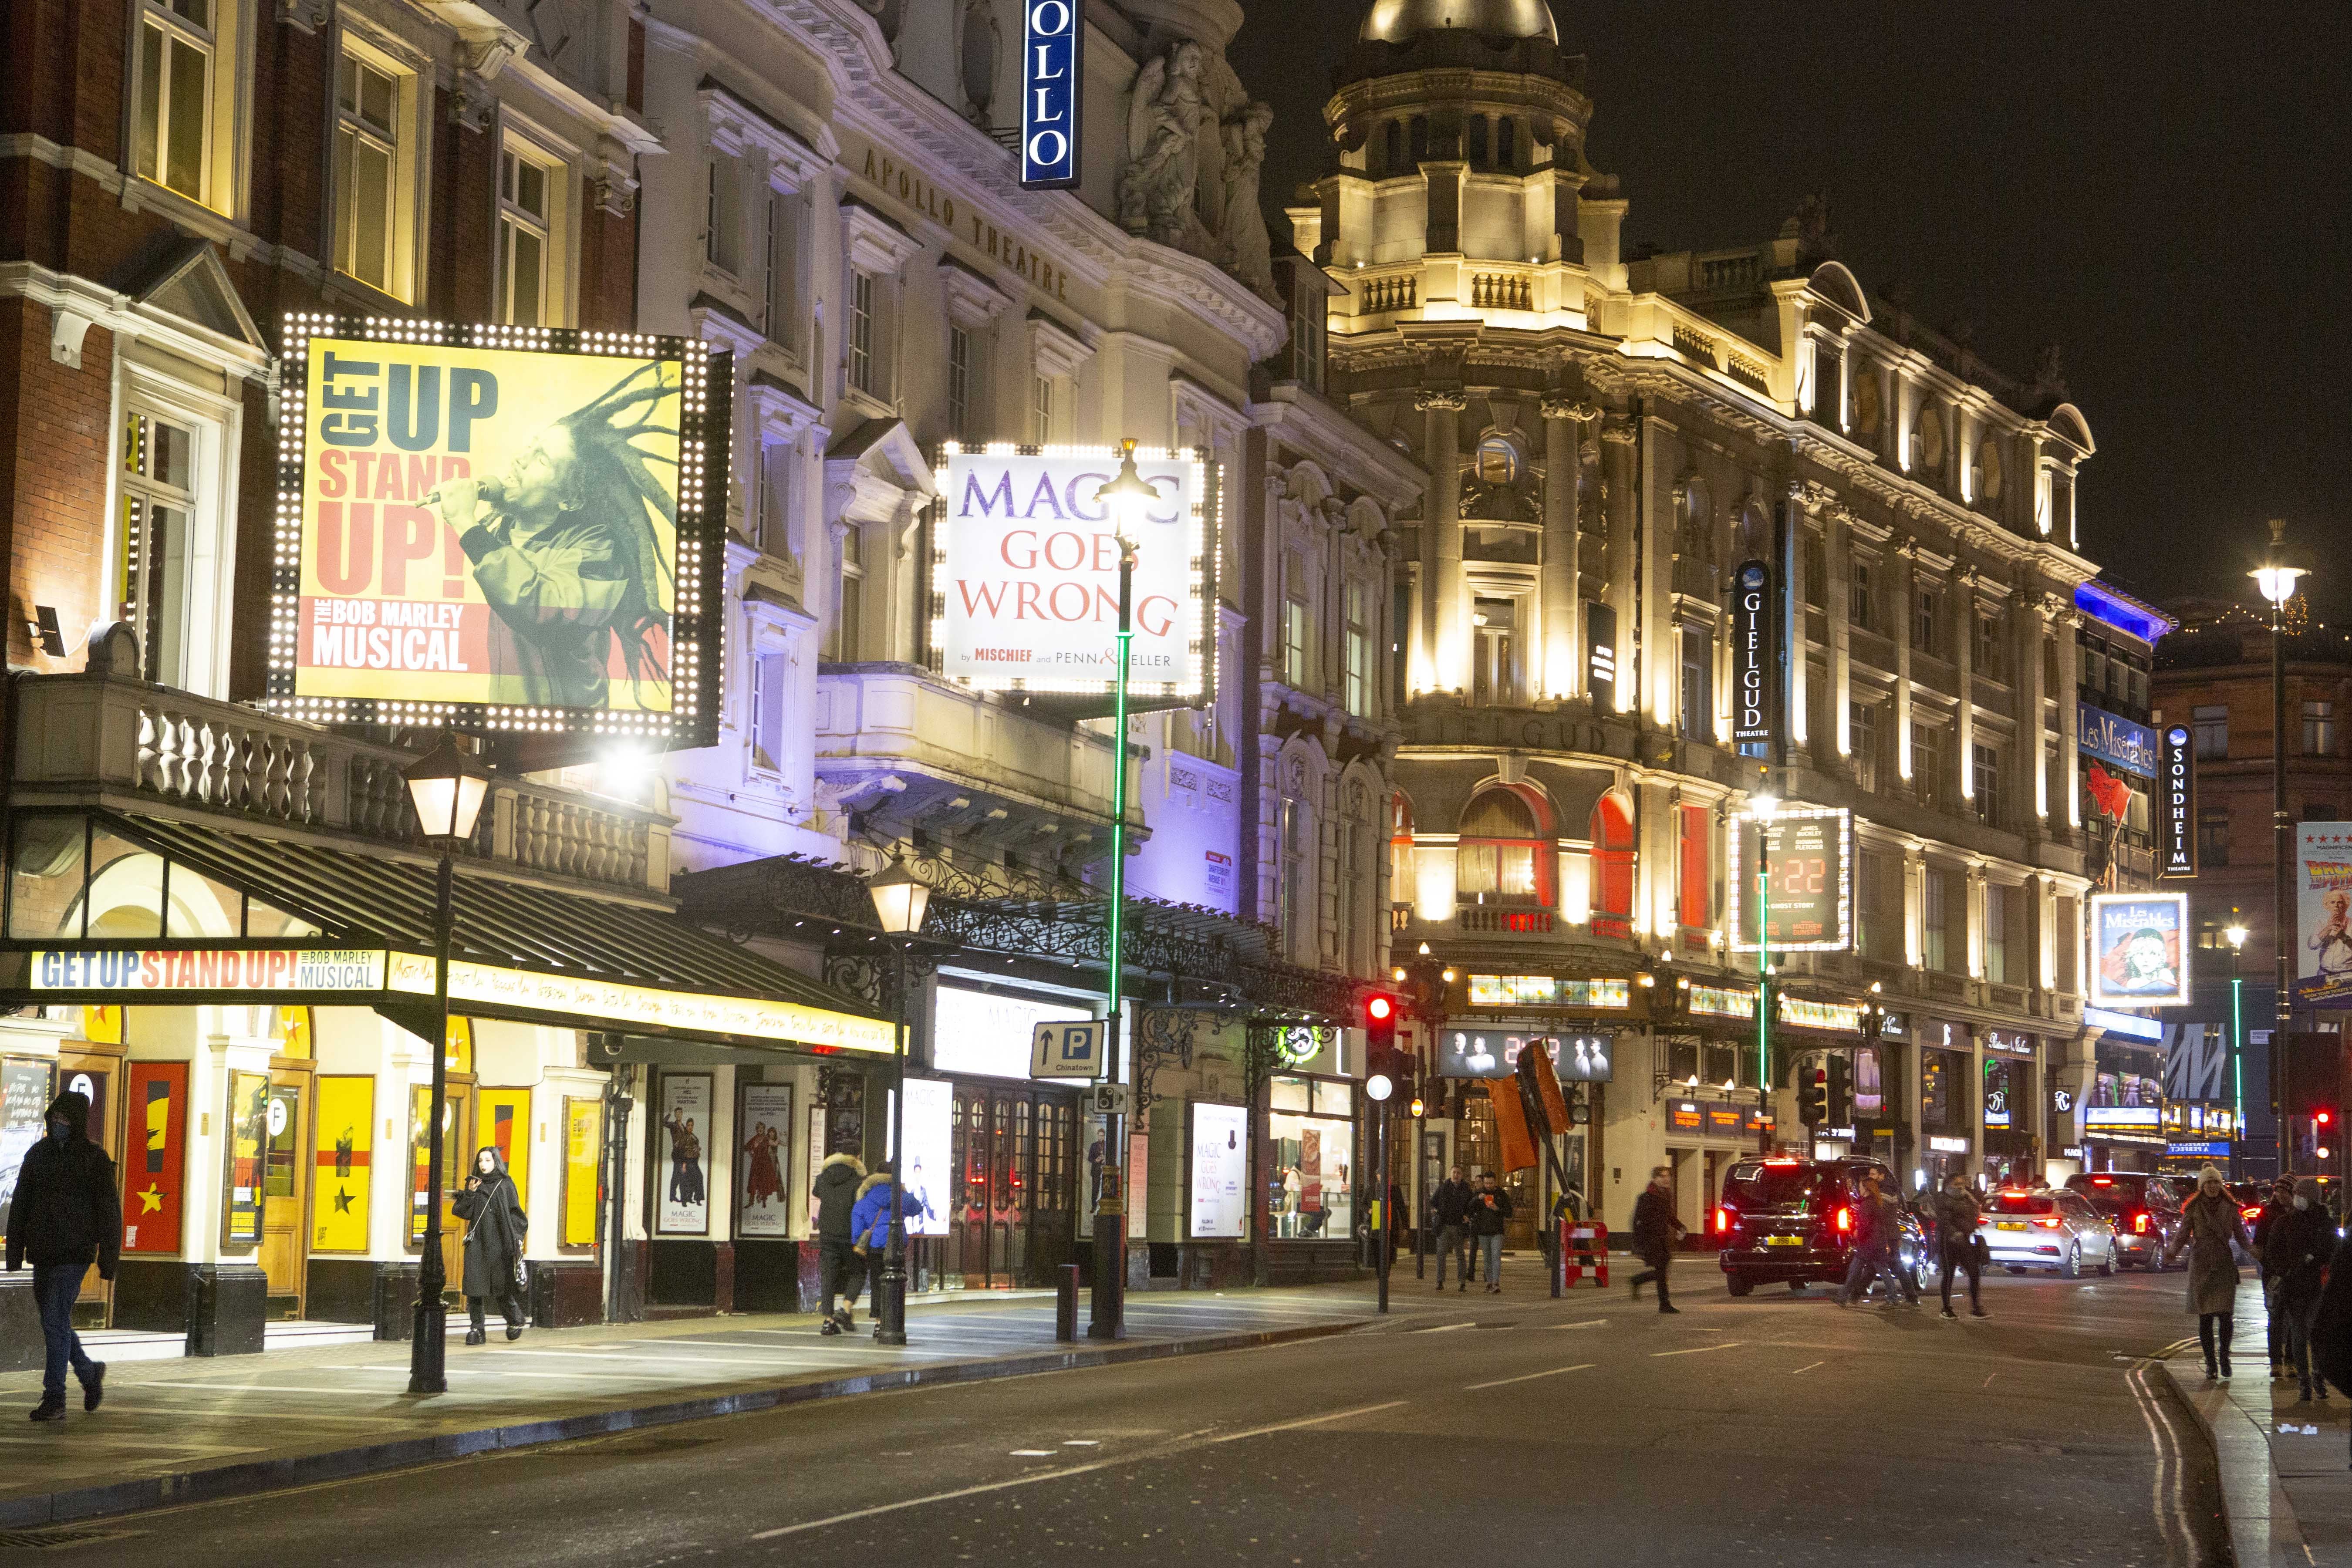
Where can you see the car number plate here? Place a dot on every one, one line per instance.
(1784, 1241)
(2009, 1225)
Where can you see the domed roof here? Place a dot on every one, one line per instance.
(1399, 21)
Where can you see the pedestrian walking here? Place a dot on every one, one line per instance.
(2331, 1322)
(494, 1230)
(833, 1197)
(64, 1216)
(1489, 1209)
(2295, 1248)
(2211, 1225)
(1956, 1214)
(1877, 1246)
(2278, 1202)
(1655, 1230)
(1449, 1211)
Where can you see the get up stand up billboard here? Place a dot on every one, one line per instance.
(500, 528)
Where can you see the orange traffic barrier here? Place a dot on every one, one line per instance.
(1584, 1242)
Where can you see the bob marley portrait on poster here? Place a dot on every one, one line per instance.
(514, 532)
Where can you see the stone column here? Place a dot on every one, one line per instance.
(1906, 557)
(1443, 617)
(1617, 440)
(1560, 613)
(1964, 661)
(1837, 597)
(1802, 497)
(2070, 718)
(2032, 731)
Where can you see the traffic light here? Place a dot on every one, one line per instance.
(1813, 1096)
(1381, 1057)
(1839, 1109)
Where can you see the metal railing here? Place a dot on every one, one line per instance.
(84, 735)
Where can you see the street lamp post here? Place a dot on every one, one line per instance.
(1764, 807)
(1125, 496)
(901, 902)
(1379, 1087)
(446, 787)
(2277, 576)
(2237, 934)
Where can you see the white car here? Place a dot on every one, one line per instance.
(2047, 1227)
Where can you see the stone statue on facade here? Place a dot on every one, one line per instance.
(1163, 128)
(1195, 147)
(1252, 251)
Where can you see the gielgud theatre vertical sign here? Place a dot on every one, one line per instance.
(500, 528)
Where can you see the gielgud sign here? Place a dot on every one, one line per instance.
(1024, 572)
(497, 525)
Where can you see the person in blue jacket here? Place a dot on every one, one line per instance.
(869, 1222)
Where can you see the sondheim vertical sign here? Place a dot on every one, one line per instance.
(2176, 834)
(1051, 94)
(1751, 648)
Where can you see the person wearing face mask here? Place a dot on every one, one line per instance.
(65, 1215)
(2295, 1251)
(495, 1229)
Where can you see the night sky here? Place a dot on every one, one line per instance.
(2160, 190)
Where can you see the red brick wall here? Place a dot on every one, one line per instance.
(54, 444)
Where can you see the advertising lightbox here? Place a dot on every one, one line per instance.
(2322, 901)
(930, 1123)
(1808, 881)
(1220, 1158)
(1025, 573)
(2139, 952)
(990, 1033)
(498, 528)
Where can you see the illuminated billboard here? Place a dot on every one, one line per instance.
(2323, 914)
(1024, 572)
(1809, 884)
(498, 528)
(2139, 950)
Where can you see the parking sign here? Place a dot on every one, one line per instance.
(1068, 1049)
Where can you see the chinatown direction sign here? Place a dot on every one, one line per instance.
(1025, 566)
(500, 528)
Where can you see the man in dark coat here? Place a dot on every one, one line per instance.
(1654, 1230)
(495, 1233)
(2296, 1248)
(2279, 1201)
(1877, 1245)
(1449, 1211)
(65, 1215)
(834, 1197)
(1490, 1206)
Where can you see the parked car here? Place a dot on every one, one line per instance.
(1791, 1221)
(2048, 1228)
(2144, 1211)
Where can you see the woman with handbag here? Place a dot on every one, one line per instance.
(2214, 1232)
(495, 1229)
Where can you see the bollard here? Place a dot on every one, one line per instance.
(1559, 1256)
(1066, 1304)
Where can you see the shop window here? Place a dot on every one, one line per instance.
(1505, 852)
(1612, 858)
(1311, 1184)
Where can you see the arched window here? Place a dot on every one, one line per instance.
(1497, 461)
(1613, 858)
(1505, 853)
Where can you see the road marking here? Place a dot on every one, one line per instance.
(2169, 1469)
(1808, 1366)
(1032, 1454)
(1080, 1443)
(1699, 1350)
(1033, 1477)
(1529, 1377)
(1987, 1381)
(1444, 1328)
(1588, 1323)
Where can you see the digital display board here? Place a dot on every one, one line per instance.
(1808, 883)
(500, 528)
(1025, 567)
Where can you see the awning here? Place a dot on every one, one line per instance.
(362, 934)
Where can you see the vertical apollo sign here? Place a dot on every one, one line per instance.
(1052, 93)
(1751, 642)
(2176, 834)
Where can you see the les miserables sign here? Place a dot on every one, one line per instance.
(498, 526)
(1024, 572)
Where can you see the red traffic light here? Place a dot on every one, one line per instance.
(2324, 1117)
(1381, 1009)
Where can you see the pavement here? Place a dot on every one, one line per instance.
(1497, 1430)
(2283, 1461)
(317, 1406)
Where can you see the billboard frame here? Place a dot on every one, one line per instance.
(1208, 521)
(2095, 973)
(1736, 882)
(697, 618)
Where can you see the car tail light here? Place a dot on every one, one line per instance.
(1845, 1219)
(2139, 1224)
(1723, 1219)
(2048, 1222)
(2250, 1215)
